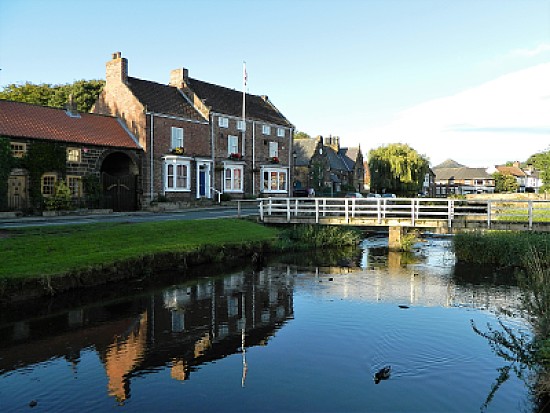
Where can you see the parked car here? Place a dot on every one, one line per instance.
(388, 196)
(301, 193)
(354, 195)
(373, 195)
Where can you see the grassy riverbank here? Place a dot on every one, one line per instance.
(51, 251)
(501, 248)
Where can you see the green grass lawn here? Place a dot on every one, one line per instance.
(40, 251)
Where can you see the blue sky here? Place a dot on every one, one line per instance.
(462, 79)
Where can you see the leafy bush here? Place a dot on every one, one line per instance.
(61, 199)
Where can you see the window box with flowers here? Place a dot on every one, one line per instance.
(178, 150)
(235, 156)
(274, 159)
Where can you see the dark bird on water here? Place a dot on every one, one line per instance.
(382, 374)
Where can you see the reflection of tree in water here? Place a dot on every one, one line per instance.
(527, 355)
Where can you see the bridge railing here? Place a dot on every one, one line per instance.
(413, 209)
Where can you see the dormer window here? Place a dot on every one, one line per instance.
(266, 129)
(223, 122)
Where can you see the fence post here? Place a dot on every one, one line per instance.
(316, 210)
(450, 213)
(346, 209)
(238, 208)
(261, 209)
(413, 215)
(488, 214)
(269, 207)
(379, 211)
(530, 211)
(288, 210)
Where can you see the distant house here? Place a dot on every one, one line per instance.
(322, 164)
(452, 178)
(528, 178)
(195, 141)
(90, 145)
(428, 186)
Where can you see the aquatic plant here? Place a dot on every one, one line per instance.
(319, 236)
(526, 352)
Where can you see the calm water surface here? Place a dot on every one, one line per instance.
(303, 334)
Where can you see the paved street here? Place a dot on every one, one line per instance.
(203, 213)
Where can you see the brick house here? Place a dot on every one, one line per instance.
(322, 164)
(219, 153)
(172, 133)
(94, 145)
(452, 178)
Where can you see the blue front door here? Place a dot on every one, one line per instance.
(202, 183)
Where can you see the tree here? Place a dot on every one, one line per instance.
(397, 168)
(84, 93)
(505, 182)
(301, 135)
(541, 161)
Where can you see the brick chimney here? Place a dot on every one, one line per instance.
(178, 77)
(117, 69)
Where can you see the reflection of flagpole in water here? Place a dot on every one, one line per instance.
(245, 364)
(243, 349)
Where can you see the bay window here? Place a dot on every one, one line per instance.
(274, 180)
(233, 178)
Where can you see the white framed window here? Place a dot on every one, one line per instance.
(275, 180)
(18, 150)
(280, 132)
(176, 140)
(177, 175)
(75, 185)
(47, 184)
(241, 125)
(74, 155)
(232, 144)
(266, 129)
(233, 178)
(223, 122)
(273, 149)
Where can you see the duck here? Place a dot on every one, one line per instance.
(382, 374)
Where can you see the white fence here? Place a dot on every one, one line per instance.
(411, 209)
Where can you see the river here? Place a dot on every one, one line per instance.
(306, 333)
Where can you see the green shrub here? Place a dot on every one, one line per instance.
(61, 199)
(318, 236)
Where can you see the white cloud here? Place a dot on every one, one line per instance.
(541, 48)
(501, 120)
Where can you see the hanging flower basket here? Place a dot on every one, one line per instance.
(235, 156)
(178, 151)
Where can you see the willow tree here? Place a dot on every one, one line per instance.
(397, 168)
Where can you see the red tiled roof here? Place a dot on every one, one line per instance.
(510, 170)
(39, 122)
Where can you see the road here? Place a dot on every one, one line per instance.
(132, 217)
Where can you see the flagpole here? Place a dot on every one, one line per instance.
(244, 108)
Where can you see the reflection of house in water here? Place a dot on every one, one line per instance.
(184, 327)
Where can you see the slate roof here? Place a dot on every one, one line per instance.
(348, 157)
(24, 120)
(230, 102)
(446, 174)
(163, 99)
(304, 149)
(449, 163)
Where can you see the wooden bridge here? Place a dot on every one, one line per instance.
(440, 215)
